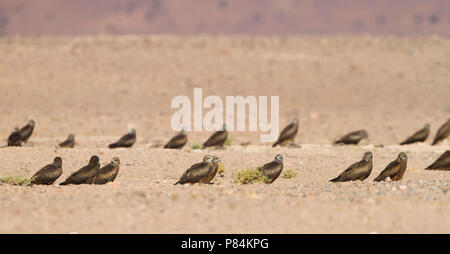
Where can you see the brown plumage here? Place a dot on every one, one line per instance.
(442, 163)
(126, 140)
(26, 131)
(48, 174)
(178, 141)
(287, 134)
(69, 142)
(15, 139)
(357, 171)
(107, 173)
(217, 139)
(213, 171)
(353, 138)
(85, 174)
(197, 172)
(272, 170)
(442, 133)
(395, 169)
(419, 136)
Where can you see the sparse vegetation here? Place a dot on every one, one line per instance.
(16, 180)
(197, 146)
(289, 173)
(249, 176)
(227, 142)
(221, 170)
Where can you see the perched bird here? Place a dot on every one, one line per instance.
(272, 170)
(394, 170)
(442, 163)
(48, 174)
(419, 136)
(69, 142)
(217, 139)
(353, 137)
(212, 173)
(178, 141)
(442, 133)
(107, 173)
(197, 172)
(85, 174)
(287, 134)
(26, 131)
(126, 140)
(357, 171)
(15, 139)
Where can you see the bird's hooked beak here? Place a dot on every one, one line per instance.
(279, 157)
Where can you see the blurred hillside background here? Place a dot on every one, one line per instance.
(265, 17)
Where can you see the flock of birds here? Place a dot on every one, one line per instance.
(205, 171)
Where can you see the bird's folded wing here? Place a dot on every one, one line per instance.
(391, 169)
(272, 169)
(217, 137)
(287, 132)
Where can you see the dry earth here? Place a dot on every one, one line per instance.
(95, 87)
(257, 17)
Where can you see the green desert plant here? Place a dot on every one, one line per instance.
(227, 142)
(289, 173)
(221, 170)
(16, 180)
(197, 146)
(249, 176)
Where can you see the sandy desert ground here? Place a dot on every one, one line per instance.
(95, 87)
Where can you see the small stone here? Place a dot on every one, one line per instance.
(394, 188)
(403, 187)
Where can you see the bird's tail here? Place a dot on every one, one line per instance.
(337, 141)
(434, 142)
(113, 145)
(176, 183)
(64, 183)
(378, 179)
(335, 179)
(275, 144)
(31, 182)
